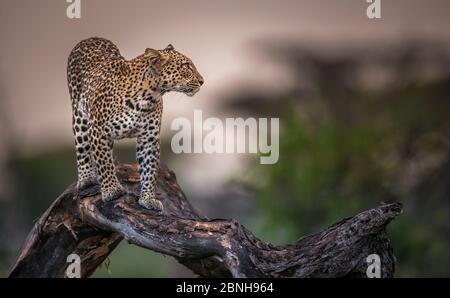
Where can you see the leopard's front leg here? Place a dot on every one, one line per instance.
(147, 155)
(103, 157)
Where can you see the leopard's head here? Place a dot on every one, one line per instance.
(176, 72)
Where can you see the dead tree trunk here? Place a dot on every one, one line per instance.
(84, 225)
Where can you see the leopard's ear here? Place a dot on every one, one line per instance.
(169, 47)
(151, 51)
(157, 60)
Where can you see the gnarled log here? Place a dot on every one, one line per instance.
(80, 223)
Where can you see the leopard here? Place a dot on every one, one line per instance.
(115, 98)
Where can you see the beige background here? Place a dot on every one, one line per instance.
(220, 36)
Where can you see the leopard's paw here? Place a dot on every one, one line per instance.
(148, 202)
(112, 195)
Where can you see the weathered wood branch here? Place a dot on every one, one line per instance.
(83, 224)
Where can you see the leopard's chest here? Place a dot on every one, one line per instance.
(124, 126)
(131, 113)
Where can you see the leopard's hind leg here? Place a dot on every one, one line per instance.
(87, 170)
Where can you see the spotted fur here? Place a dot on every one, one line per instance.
(114, 98)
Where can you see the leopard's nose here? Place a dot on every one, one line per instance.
(200, 82)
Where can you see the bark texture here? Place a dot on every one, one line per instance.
(81, 223)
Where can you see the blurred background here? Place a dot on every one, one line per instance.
(363, 107)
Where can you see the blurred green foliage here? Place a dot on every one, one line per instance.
(342, 155)
(132, 261)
